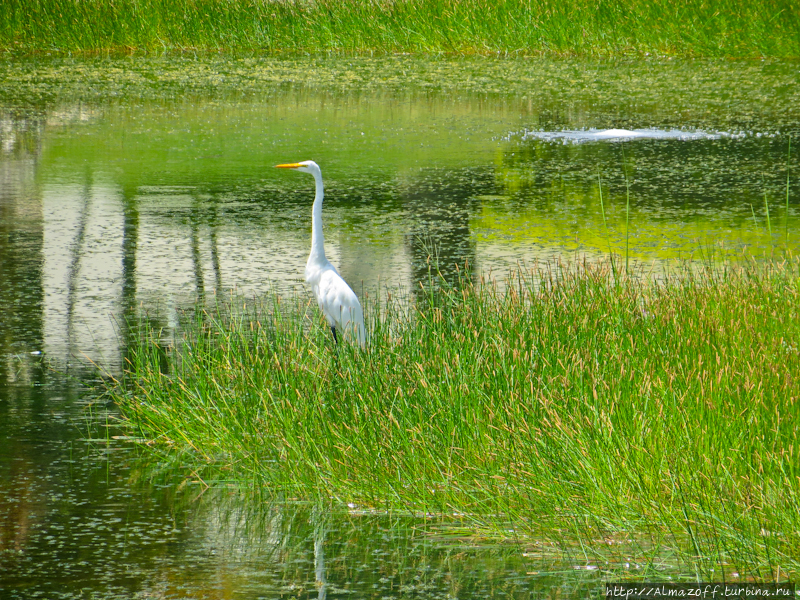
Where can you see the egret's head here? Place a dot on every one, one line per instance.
(307, 166)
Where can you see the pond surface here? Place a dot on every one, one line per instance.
(148, 183)
(81, 516)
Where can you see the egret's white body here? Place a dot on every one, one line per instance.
(336, 300)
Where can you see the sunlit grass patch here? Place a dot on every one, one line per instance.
(693, 28)
(568, 403)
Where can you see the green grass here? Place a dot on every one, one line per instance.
(717, 28)
(638, 419)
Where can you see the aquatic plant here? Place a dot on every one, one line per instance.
(786, 213)
(643, 418)
(742, 29)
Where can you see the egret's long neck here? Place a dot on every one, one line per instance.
(317, 239)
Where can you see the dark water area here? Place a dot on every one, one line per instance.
(84, 514)
(146, 185)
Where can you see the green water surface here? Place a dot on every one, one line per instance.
(148, 183)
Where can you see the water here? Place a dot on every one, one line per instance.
(82, 517)
(621, 135)
(148, 184)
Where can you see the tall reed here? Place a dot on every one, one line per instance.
(641, 417)
(605, 226)
(788, 170)
(756, 28)
(627, 210)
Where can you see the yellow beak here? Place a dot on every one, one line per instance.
(288, 166)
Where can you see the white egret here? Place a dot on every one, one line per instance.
(337, 301)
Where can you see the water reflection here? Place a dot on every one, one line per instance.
(319, 523)
(138, 211)
(81, 515)
(22, 234)
(154, 202)
(441, 203)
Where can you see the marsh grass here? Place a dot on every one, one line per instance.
(693, 28)
(643, 419)
(605, 226)
(786, 212)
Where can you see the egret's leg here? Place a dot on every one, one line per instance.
(335, 339)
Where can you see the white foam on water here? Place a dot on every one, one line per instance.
(621, 135)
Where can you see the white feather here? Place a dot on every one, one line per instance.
(336, 300)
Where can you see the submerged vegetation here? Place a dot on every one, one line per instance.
(644, 419)
(695, 28)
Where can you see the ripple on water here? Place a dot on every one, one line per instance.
(620, 135)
